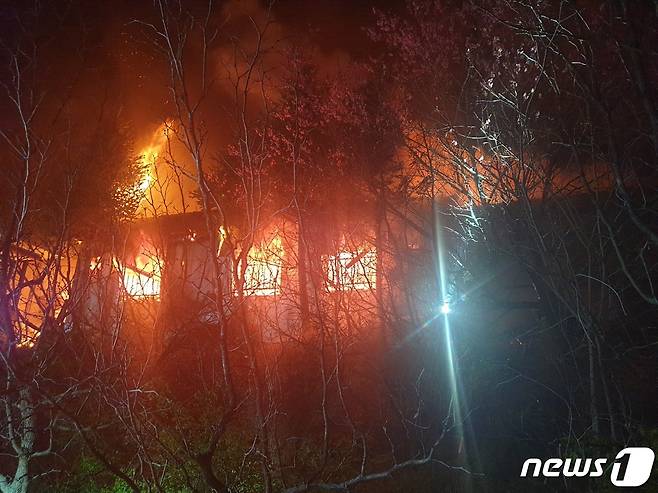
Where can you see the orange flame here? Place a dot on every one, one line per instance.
(262, 276)
(148, 159)
(142, 277)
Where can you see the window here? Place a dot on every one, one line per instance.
(141, 275)
(140, 283)
(352, 270)
(262, 277)
(40, 289)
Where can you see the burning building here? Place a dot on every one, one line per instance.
(167, 269)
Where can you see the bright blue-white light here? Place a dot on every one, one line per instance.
(445, 308)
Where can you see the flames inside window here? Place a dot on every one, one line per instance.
(142, 275)
(40, 288)
(352, 270)
(262, 276)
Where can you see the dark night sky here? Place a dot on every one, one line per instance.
(334, 30)
(333, 24)
(120, 59)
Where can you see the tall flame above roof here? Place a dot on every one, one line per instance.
(166, 180)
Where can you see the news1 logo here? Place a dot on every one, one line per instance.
(632, 467)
